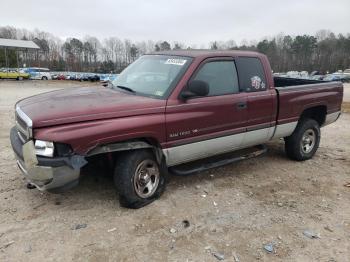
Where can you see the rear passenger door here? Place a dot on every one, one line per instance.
(260, 100)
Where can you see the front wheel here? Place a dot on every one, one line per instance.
(304, 142)
(138, 178)
(44, 78)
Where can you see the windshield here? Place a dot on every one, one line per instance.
(152, 75)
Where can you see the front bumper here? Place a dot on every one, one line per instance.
(53, 174)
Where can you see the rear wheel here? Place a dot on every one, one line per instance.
(138, 178)
(304, 142)
(44, 78)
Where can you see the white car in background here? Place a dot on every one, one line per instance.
(39, 73)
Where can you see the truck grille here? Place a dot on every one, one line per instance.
(23, 125)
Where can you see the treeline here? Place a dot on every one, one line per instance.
(325, 51)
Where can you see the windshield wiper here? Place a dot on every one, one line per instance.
(127, 89)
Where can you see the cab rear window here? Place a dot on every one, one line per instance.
(251, 74)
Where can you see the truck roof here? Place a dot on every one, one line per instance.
(207, 53)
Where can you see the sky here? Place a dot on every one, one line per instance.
(193, 22)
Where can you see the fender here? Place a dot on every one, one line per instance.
(126, 146)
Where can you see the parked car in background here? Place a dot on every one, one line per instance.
(317, 77)
(108, 78)
(338, 77)
(61, 77)
(297, 74)
(73, 77)
(90, 77)
(113, 77)
(84, 77)
(78, 77)
(345, 78)
(93, 78)
(104, 78)
(281, 74)
(331, 77)
(38, 73)
(8, 73)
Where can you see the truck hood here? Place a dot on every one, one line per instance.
(85, 104)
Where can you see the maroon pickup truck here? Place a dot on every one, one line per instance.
(169, 112)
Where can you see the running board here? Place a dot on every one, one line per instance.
(217, 161)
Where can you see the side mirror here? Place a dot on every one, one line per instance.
(195, 88)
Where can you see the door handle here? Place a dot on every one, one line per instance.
(241, 105)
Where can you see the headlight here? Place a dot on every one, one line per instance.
(44, 148)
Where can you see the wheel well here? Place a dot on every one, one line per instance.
(104, 157)
(151, 141)
(134, 144)
(154, 146)
(317, 113)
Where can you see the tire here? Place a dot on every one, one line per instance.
(304, 142)
(130, 176)
(44, 78)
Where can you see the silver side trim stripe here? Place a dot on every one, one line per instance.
(330, 118)
(198, 150)
(190, 152)
(207, 148)
(284, 130)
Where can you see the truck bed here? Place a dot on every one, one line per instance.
(286, 81)
(297, 95)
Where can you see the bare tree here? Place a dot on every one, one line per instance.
(323, 52)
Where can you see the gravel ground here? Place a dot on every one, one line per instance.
(227, 213)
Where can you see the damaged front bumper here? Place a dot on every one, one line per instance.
(53, 174)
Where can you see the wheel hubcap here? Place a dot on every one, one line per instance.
(146, 178)
(308, 141)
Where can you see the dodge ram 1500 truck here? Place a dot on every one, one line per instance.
(171, 111)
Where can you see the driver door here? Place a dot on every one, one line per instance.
(205, 126)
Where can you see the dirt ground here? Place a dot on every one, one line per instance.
(230, 212)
